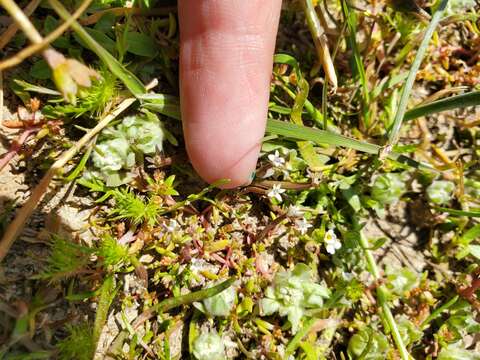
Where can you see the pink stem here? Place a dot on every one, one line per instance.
(16, 146)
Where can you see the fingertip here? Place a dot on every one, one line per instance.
(226, 57)
(232, 158)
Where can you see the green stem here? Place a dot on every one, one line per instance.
(382, 299)
(22, 21)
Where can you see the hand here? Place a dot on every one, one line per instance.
(226, 56)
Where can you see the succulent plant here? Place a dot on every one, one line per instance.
(220, 304)
(368, 344)
(440, 191)
(208, 346)
(292, 293)
(120, 148)
(459, 6)
(388, 188)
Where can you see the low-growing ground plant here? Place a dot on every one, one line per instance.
(358, 237)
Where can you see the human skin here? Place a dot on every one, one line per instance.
(226, 57)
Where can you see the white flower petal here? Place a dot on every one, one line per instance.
(330, 249)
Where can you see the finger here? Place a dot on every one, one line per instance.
(225, 69)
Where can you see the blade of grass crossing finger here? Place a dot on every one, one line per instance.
(407, 87)
(132, 83)
(169, 105)
(298, 132)
(453, 102)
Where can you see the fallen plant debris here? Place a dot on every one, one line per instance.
(358, 238)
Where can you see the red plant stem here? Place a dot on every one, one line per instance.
(16, 146)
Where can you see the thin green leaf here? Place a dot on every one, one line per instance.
(453, 102)
(318, 136)
(186, 299)
(107, 294)
(163, 104)
(455, 212)
(300, 99)
(81, 165)
(130, 80)
(35, 88)
(407, 88)
(192, 297)
(141, 44)
(100, 37)
(437, 312)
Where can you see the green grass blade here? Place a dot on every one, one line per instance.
(81, 165)
(298, 132)
(455, 212)
(407, 87)
(437, 312)
(186, 299)
(189, 298)
(132, 83)
(453, 102)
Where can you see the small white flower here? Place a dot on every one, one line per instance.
(294, 211)
(270, 172)
(172, 226)
(347, 276)
(276, 192)
(332, 243)
(146, 259)
(302, 226)
(276, 159)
